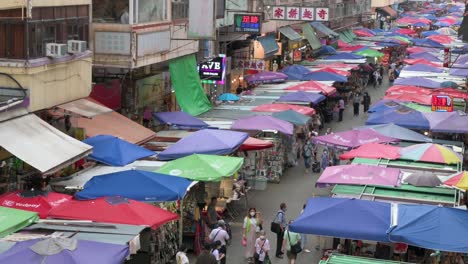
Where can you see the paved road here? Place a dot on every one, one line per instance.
(295, 188)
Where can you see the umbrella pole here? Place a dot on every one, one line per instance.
(181, 222)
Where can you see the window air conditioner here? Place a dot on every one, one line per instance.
(55, 50)
(77, 46)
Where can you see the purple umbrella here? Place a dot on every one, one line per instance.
(424, 55)
(459, 72)
(448, 122)
(266, 77)
(263, 122)
(64, 250)
(355, 174)
(423, 68)
(353, 138)
(179, 119)
(417, 81)
(300, 96)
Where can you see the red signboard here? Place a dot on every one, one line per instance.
(442, 103)
(446, 57)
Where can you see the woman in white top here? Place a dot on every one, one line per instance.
(262, 246)
(181, 256)
(251, 227)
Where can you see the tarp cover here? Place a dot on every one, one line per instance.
(401, 133)
(256, 144)
(432, 227)
(373, 151)
(114, 151)
(313, 86)
(356, 174)
(300, 96)
(272, 108)
(424, 55)
(180, 119)
(187, 85)
(263, 122)
(266, 77)
(292, 117)
(344, 218)
(39, 144)
(117, 210)
(85, 108)
(417, 81)
(138, 185)
(14, 220)
(324, 76)
(423, 68)
(353, 138)
(206, 141)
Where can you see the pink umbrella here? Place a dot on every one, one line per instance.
(443, 39)
(353, 138)
(313, 86)
(352, 48)
(284, 107)
(373, 151)
(421, 61)
(355, 174)
(406, 31)
(361, 33)
(415, 49)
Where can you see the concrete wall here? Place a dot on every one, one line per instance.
(52, 84)
(382, 3)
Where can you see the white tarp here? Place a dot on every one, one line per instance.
(39, 144)
(85, 108)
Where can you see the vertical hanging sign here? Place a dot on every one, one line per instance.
(446, 57)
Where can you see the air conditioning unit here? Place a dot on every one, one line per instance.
(77, 46)
(55, 50)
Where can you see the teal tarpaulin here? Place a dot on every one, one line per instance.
(187, 85)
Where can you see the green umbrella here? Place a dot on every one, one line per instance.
(417, 107)
(370, 53)
(199, 167)
(12, 220)
(406, 40)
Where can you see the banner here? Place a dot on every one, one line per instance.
(187, 86)
(201, 19)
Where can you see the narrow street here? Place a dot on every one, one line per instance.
(295, 188)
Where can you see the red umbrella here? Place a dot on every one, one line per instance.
(406, 89)
(352, 48)
(313, 86)
(114, 210)
(421, 61)
(283, 107)
(38, 202)
(415, 98)
(342, 44)
(452, 92)
(362, 33)
(255, 144)
(373, 151)
(415, 49)
(406, 31)
(335, 71)
(443, 39)
(448, 21)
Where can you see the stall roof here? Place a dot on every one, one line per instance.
(290, 33)
(405, 193)
(269, 44)
(85, 108)
(309, 34)
(115, 124)
(346, 259)
(227, 114)
(412, 165)
(39, 144)
(324, 29)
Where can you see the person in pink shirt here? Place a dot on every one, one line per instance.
(146, 117)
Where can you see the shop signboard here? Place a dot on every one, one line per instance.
(247, 64)
(300, 13)
(442, 103)
(213, 70)
(446, 57)
(246, 23)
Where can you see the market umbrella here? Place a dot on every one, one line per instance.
(443, 39)
(114, 151)
(447, 31)
(34, 201)
(327, 50)
(418, 81)
(324, 76)
(407, 31)
(362, 33)
(383, 105)
(459, 180)
(423, 68)
(179, 119)
(300, 96)
(424, 55)
(401, 116)
(335, 71)
(272, 108)
(370, 53)
(262, 123)
(203, 167)
(13, 220)
(448, 122)
(64, 250)
(352, 48)
(143, 186)
(421, 179)
(344, 56)
(256, 144)
(448, 84)
(442, 24)
(420, 99)
(358, 174)
(313, 86)
(408, 89)
(428, 152)
(115, 209)
(421, 61)
(228, 97)
(292, 117)
(373, 151)
(418, 24)
(266, 77)
(295, 72)
(415, 50)
(353, 138)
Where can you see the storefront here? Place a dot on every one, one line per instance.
(266, 48)
(291, 42)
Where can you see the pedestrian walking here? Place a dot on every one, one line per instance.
(147, 117)
(206, 257)
(325, 159)
(292, 245)
(216, 252)
(279, 221)
(341, 105)
(262, 246)
(376, 77)
(181, 256)
(212, 214)
(356, 102)
(252, 226)
(304, 236)
(220, 234)
(366, 101)
(307, 152)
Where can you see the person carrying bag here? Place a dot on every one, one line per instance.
(292, 244)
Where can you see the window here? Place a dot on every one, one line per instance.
(180, 9)
(111, 11)
(152, 10)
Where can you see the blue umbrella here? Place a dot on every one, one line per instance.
(419, 24)
(143, 186)
(442, 24)
(228, 97)
(327, 50)
(300, 96)
(429, 33)
(114, 151)
(295, 72)
(324, 76)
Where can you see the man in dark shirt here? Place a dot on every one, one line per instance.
(212, 215)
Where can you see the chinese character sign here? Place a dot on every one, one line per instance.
(321, 14)
(247, 23)
(307, 13)
(293, 13)
(246, 64)
(279, 12)
(442, 103)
